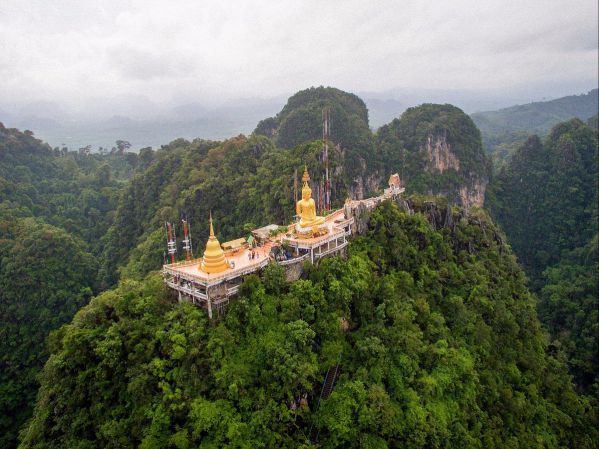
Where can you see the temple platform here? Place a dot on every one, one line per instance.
(212, 291)
(283, 245)
(337, 229)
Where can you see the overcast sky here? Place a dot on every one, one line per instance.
(78, 53)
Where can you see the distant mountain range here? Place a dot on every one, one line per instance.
(508, 124)
(187, 121)
(52, 124)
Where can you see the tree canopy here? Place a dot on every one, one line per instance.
(546, 199)
(442, 348)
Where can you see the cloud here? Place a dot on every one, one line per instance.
(144, 64)
(75, 52)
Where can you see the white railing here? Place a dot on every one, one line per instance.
(294, 260)
(213, 279)
(208, 280)
(331, 250)
(314, 241)
(189, 291)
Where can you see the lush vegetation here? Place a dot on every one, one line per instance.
(443, 346)
(546, 197)
(442, 349)
(300, 121)
(55, 207)
(546, 200)
(398, 146)
(245, 182)
(506, 129)
(46, 275)
(76, 191)
(403, 145)
(248, 181)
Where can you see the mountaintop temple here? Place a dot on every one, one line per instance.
(213, 279)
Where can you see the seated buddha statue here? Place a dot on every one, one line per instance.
(306, 208)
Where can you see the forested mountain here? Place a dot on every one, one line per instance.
(538, 117)
(46, 275)
(546, 200)
(73, 190)
(300, 121)
(442, 349)
(249, 181)
(55, 207)
(505, 129)
(245, 182)
(437, 150)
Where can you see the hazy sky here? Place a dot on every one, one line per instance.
(76, 52)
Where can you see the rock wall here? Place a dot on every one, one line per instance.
(294, 271)
(365, 184)
(360, 214)
(439, 154)
(474, 195)
(440, 158)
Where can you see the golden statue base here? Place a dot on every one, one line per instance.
(310, 232)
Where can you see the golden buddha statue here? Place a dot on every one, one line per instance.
(214, 260)
(306, 208)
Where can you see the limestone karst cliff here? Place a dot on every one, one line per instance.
(437, 150)
(441, 158)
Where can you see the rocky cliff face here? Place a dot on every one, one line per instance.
(474, 195)
(440, 158)
(365, 183)
(439, 154)
(437, 150)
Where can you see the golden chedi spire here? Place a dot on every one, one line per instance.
(214, 260)
(306, 176)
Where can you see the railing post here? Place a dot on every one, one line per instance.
(209, 305)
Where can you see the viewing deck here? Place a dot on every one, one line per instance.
(241, 264)
(290, 249)
(213, 290)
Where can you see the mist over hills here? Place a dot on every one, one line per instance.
(145, 124)
(433, 293)
(149, 127)
(537, 117)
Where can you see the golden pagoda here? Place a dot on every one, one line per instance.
(214, 260)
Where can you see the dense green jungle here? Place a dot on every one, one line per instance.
(466, 315)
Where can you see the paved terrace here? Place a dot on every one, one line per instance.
(335, 223)
(243, 264)
(190, 270)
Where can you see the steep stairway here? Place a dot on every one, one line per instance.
(327, 388)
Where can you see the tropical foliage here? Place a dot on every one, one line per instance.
(438, 336)
(55, 207)
(506, 129)
(442, 348)
(546, 199)
(403, 146)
